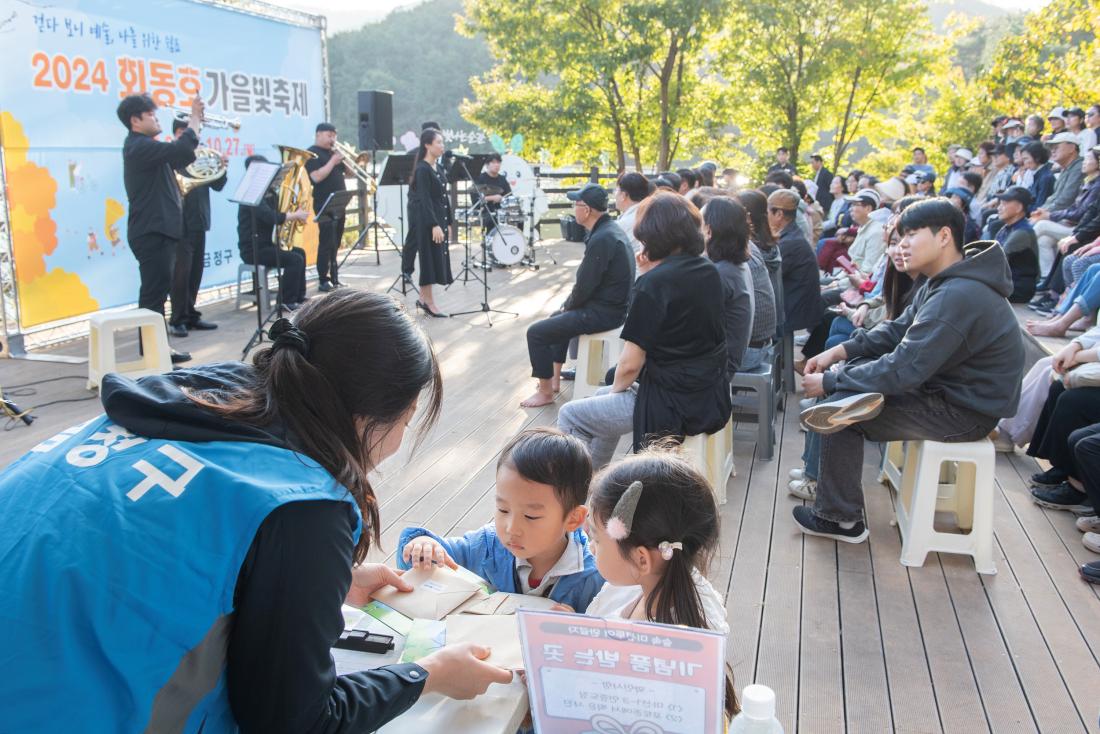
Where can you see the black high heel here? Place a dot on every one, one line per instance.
(427, 310)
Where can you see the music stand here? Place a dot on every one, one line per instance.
(258, 180)
(397, 172)
(335, 207)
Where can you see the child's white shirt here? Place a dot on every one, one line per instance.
(616, 602)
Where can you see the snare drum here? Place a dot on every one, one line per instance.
(506, 244)
(511, 209)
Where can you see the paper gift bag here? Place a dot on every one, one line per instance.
(498, 632)
(436, 593)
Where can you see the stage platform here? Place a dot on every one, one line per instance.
(850, 640)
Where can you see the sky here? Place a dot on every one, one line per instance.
(346, 15)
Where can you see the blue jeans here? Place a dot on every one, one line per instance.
(839, 332)
(1085, 293)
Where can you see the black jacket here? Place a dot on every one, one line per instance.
(428, 203)
(606, 274)
(1088, 229)
(196, 206)
(290, 588)
(267, 217)
(802, 304)
(148, 171)
(824, 179)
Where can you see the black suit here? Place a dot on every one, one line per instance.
(824, 179)
(262, 249)
(155, 222)
(190, 252)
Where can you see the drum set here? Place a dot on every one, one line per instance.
(511, 230)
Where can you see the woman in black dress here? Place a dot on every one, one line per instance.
(429, 217)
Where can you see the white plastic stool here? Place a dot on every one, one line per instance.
(915, 470)
(596, 353)
(264, 291)
(156, 358)
(713, 456)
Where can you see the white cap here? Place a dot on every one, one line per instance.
(758, 702)
(964, 153)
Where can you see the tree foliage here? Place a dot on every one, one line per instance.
(626, 76)
(1054, 61)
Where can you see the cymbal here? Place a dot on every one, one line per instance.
(488, 189)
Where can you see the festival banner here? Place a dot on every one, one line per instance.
(587, 675)
(65, 65)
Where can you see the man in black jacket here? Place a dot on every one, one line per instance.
(187, 276)
(155, 224)
(600, 296)
(802, 302)
(823, 177)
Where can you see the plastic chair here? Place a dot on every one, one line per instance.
(264, 291)
(761, 380)
(596, 353)
(156, 358)
(713, 456)
(915, 470)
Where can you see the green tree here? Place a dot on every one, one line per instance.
(804, 67)
(1054, 61)
(581, 77)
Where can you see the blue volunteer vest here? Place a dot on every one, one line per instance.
(119, 557)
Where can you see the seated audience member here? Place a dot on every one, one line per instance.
(765, 245)
(870, 241)
(668, 181)
(838, 188)
(599, 298)
(1036, 158)
(671, 378)
(1019, 429)
(688, 180)
(801, 284)
(630, 190)
(1033, 127)
(1051, 225)
(1017, 238)
(705, 172)
(1012, 131)
(541, 552)
(1075, 125)
(946, 370)
(1068, 415)
(1057, 120)
(1077, 309)
(1002, 170)
(636, 505)
(960, 196)
(920, 162)
(729, 180)
(726, 233)
(1064, 155)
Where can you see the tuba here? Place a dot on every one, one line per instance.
(205, 170)
(294, 191)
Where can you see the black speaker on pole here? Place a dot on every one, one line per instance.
(375, 120)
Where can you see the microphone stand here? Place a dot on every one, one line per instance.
(485, 308)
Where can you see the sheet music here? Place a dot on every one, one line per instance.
(257, 180)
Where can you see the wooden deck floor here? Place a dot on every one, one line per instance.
(850, 640)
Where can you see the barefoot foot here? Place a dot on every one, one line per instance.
(537, 400)
(555, 385)
(1048, 328)
(1082, 324)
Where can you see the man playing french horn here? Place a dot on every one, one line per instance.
(187, 274)
(155, 222)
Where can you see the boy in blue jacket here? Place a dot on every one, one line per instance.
(535, 544)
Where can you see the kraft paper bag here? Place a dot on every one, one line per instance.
(499, 632)
(502, 602)
(437, 592)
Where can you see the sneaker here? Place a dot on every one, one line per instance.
(1050, 478)
(1062, 497)
(1039, 297)
(796, 474)
(803, 489)
(1091, 541)
(839, 414)
(1088, 524)
(801, 340)
(1045, 304)
(1002, 443)
(1089, 572)
(811, 524)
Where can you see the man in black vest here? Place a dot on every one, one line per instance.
(155, 224)
(190, 253)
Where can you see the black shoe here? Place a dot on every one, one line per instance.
(434, 314)
(177, 330)
(568, 375)
(1039, 297)
(179, 357)
(1091, 572)
(811, 524)
(1050, 478)
(325, 286)
(201, 325)
(338, 284)
(292, 306)
(1062, 497)
(1044, 306)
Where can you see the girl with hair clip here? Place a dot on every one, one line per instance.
(653, 526)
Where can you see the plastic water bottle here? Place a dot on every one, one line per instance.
(757, 712)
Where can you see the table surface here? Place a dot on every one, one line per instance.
(500, 709)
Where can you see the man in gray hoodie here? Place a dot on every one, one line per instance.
(947, 369)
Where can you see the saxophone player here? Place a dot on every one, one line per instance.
(187, 274)
(155, 222)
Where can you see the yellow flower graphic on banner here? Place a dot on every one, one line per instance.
(32, 194)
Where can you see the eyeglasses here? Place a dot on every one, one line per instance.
(777, 210)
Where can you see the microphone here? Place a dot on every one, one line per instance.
(457, 156)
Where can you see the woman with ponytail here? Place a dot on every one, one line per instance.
(182, 559)
(653, 527)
